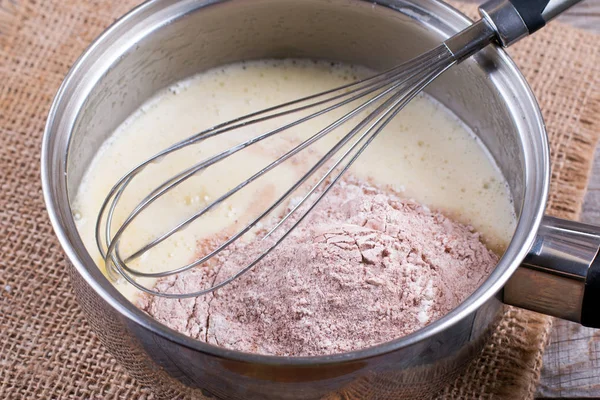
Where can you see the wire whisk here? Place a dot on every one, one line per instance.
(374, 102)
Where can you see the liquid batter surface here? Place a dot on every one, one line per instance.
(425, 154)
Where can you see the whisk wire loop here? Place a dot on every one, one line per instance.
(370, 84)
(254, 118)
(218, 201)
(393, 89)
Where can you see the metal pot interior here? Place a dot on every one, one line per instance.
(165, 41)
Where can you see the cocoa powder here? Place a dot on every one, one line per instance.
(366, 267)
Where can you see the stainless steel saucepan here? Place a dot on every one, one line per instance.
(550, 265)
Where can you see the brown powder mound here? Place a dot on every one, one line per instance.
(366, 267)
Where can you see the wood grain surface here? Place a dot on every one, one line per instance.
(572, 359)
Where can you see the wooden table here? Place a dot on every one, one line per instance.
(572, 359)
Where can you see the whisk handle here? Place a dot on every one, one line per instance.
(536, 13)
(515, 19)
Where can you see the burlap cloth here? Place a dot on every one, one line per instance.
(46, 347)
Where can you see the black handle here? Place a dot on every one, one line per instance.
(590, 309)
(537, 13)
(531, 11)
(515, 19)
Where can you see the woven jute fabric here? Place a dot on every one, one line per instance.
(46, 347)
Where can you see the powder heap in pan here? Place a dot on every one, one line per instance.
(366, 267)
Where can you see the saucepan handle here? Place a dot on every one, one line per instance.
(561, 274)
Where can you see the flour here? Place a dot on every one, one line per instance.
(366, 267)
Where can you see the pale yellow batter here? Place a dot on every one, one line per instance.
(426, 153)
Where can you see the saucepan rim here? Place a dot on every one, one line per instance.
(536, 178)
